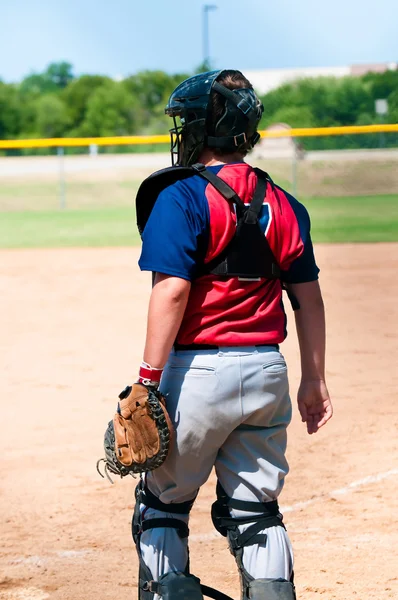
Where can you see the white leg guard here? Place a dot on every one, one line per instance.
(259, 542)
(163, 549)
(272, 559)
(161, 538)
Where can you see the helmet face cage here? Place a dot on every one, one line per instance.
(187, 139)
(176, 142)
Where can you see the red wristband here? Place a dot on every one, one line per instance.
(148, 374)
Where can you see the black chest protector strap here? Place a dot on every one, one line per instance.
(253, 210)
(220, 185)
(248, 255)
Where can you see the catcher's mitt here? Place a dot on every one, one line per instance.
(138, 437)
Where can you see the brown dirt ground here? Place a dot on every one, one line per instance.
(73, 325)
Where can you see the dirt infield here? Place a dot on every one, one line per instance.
(73, 324)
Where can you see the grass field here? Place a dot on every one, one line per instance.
(348, 200)
(343, 219)
(78, 195)
(354, 218)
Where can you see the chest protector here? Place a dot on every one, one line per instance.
(248, 255)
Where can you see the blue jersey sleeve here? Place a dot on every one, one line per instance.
(304, 268)
(174, 236)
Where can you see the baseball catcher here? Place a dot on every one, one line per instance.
(222, 242)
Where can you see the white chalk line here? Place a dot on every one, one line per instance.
(29, 593)
(299, 505)
(40, 561)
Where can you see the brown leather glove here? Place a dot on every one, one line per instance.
(138, 438)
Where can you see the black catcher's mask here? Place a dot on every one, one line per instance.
(190, 102)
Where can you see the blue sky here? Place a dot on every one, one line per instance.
(120, 37)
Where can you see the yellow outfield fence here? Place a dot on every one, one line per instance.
(132, 140)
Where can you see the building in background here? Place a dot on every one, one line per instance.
(268, 79)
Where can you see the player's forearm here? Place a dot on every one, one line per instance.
(310, 325)
(166, 309)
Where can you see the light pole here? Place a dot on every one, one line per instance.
(206, 53)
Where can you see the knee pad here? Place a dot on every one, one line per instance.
(147, 587)
(268, 515)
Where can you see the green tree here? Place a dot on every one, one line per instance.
(393, 106)
(331, 101)
(55, 77)
(318, 96)
(274, 100)
(152, 88)
(51, 117)
(351, 98)
(56, 103)
(10, 112)
(76, 96)
(381, 84)
(35, 84)
(295, 116)
(60, 74)
(151, 91)
(111, 110)
(311, 96)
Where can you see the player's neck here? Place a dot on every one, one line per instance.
(210, 159)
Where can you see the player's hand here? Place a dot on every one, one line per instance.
(314, 404)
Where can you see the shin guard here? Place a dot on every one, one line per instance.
(267, 515)
(178, 585)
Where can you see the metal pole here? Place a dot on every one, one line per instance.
(381, 138)
(205, 32)
(206, 48)
(61, 179)
(294, 172)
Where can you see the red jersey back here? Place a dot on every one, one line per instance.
(195, 223)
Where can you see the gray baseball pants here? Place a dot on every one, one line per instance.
(230, 408)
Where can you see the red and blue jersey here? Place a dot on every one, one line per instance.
(192, 223)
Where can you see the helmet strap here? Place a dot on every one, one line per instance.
(239, 102)
(232, 142)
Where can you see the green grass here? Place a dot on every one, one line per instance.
(354, 219)
(79, 195)
(345, 219)
(78, 228)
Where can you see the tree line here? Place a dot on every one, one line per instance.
(56, 103)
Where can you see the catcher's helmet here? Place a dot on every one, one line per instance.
(191, 102)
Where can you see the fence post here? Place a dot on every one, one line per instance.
(294, 170)
(61, 179)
